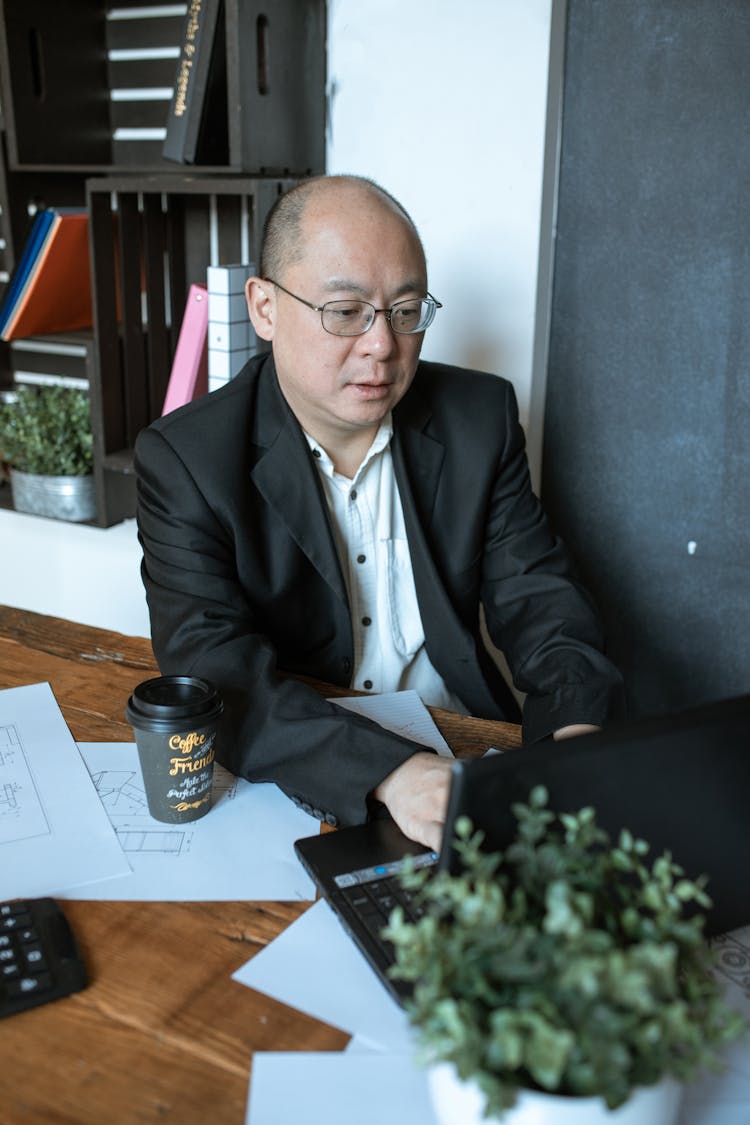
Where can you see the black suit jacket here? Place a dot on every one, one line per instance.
(243, 579)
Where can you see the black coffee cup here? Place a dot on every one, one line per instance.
(175, 719)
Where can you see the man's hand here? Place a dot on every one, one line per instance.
(573, 730)
(416, 795)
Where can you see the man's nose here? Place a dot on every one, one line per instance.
(379, 337)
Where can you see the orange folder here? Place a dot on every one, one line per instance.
(56, 295)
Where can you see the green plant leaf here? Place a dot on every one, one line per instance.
(564, 962)
(47, 431)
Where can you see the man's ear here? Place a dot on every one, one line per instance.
(261, 305)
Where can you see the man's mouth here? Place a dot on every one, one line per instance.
(371, 389)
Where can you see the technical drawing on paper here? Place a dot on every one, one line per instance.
(124, 798)
(22, 814)
(733, 958)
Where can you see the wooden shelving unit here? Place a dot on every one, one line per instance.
(85, 96)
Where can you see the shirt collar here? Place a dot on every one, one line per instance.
(380, 442)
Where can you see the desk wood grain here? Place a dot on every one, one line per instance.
(162, 1033)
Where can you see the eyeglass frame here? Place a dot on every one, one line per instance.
(387, 313)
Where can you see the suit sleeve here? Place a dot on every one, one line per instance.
(203, 623)
(537, 611)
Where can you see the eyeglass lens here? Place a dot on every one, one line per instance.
(352, 318)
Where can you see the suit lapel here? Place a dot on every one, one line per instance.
(418, 462)
(287, 479)
(417, 458)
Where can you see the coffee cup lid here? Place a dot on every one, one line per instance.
(173, 699)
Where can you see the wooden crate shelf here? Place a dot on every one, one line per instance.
(152, 237)
(87, 86)
(76, 129)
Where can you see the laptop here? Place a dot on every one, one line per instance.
(681, 782)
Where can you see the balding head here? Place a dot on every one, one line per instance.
(339, 243)
(284, 233)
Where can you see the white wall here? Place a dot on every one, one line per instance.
(74, 571)
(445, 105)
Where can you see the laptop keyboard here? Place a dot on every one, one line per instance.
(372, 903)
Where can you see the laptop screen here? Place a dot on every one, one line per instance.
(680, 782)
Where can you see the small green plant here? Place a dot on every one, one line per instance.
(563, 964)
(47, 430)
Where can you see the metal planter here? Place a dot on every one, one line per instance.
(61, 498)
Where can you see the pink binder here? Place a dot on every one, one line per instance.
(189, 375)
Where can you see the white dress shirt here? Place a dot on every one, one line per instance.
(389, 648)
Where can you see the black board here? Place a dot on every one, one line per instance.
(646, 461)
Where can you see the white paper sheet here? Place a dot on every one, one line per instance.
(724, 1099)
(315, 966)
(340, 1089)
(243, 848)
(401, 712)
(371, 1086)
(53, 830)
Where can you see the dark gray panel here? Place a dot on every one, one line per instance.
(647, 427)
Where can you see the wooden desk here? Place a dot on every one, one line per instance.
(162, 1033)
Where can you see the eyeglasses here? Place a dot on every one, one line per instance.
(353, 318)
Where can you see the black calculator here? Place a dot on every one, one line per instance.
(39, 958)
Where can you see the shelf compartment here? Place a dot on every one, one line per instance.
(60, 67)
(87, 86)
(151, 238)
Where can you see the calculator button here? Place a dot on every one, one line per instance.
(5, 941)
(34, 958)
(7, 972)
(15, 922)
(25, 985)
(7, 955)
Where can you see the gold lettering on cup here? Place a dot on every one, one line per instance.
(183, 806)
(187, 745)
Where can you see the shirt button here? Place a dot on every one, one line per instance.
(353, 494)
(367, 621)
(361, 558)
(316, 453)
(367, 684)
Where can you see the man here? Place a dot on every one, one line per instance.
(341, 510)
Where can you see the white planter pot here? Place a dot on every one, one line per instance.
(462, 1103)
(62, 498)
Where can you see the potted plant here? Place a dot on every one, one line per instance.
(45, 435)
(565, 974)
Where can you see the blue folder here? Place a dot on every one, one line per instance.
(34, 243)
